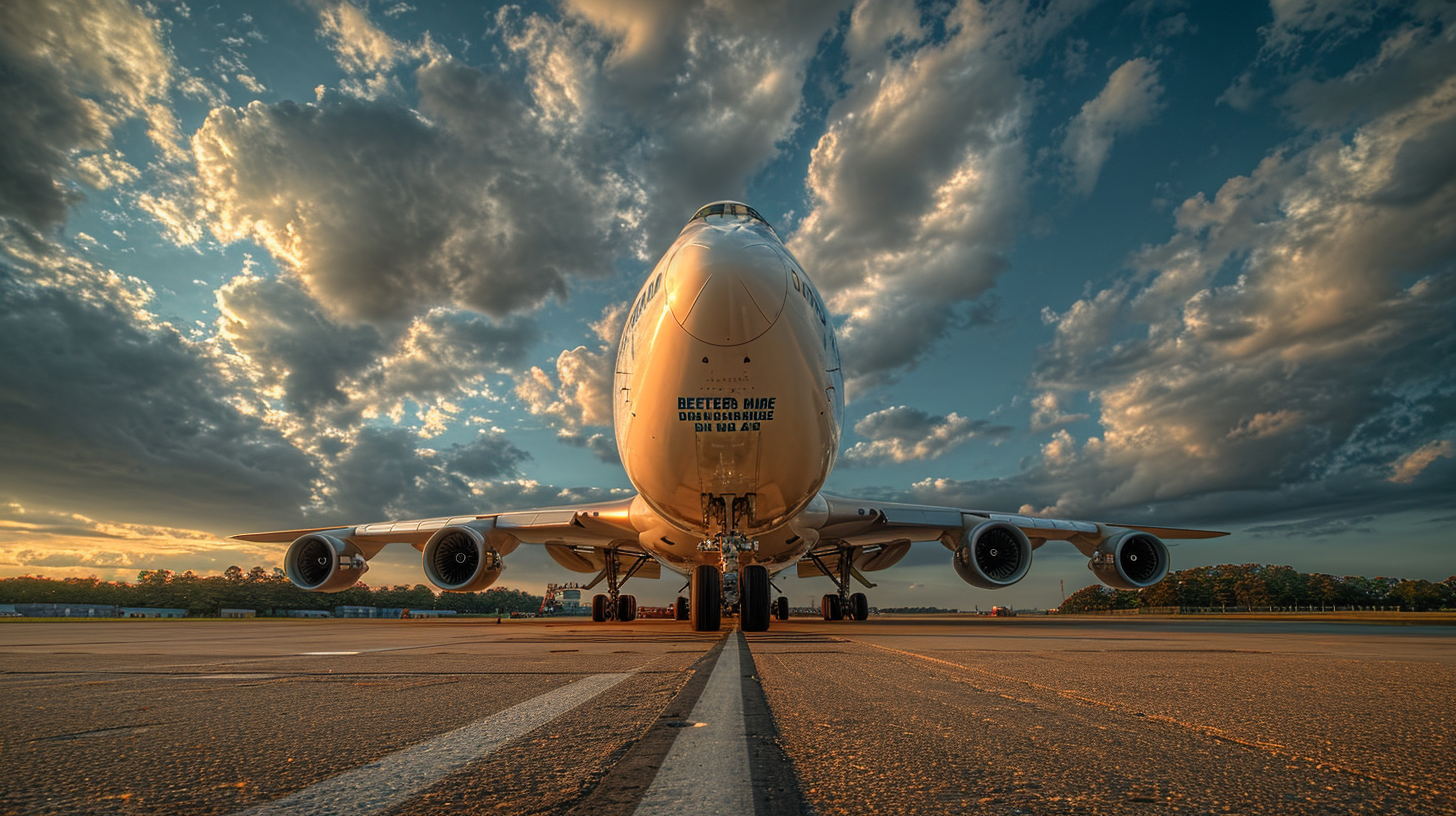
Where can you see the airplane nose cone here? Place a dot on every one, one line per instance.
(727, 295)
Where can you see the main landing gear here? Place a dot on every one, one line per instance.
(614, 605)
(843, 604)
(726, 586)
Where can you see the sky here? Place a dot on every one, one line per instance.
(274, 265)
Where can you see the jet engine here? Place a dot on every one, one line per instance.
(323, 563)
(1130, 560)
(992, 555)
(459, 559)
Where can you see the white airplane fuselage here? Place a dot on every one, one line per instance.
(728, 396)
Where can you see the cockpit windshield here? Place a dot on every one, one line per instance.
(730, 208)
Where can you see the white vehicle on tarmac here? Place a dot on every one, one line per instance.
(729, 402)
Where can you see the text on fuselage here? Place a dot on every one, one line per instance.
(726, 414)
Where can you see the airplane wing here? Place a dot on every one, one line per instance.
(581, 538)
(992, 549)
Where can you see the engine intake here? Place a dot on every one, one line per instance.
(1130, 560)
(323, 563)
(459, 559)
(992, 555)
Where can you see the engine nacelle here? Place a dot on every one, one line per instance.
(1130, 560)
(323, 563)
(992, 555)
(459, 559)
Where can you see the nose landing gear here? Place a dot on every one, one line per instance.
(725, 587)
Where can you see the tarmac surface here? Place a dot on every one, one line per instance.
(894, 715)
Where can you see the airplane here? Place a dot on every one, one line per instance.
(728, 410)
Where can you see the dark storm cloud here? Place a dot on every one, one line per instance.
(488, 456)
(70, 73)
(384, 474)
(102, 409)
(292, 342)
(602, 446)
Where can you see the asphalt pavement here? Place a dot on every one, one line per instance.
(892, 715)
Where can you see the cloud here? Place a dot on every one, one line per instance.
(1291, 339)
(359, 46)
(904, 434)
(326, 377)
(581, 393)
(1126, 103)
(602, 446)
(385, 474)
(694, 98)
(1296, 20)
(918, 181)
(291, 348)
(383, 212)
(72, 73)
(1047, 412)
(1409, 467)
(106, 409)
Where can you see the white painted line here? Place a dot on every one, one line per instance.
(313, 654)
(388, 782)
(706, 771)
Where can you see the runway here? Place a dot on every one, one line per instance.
(892, 715)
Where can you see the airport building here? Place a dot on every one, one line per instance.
(237, 613)
(61, 610)
(151, 612)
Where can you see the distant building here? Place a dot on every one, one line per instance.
(151, 612)
(62, 610)
(238, 613)
(431, 613)
(355, 612)
(307, 613)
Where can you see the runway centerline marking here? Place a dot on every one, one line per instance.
(390, 781)
(707, 765)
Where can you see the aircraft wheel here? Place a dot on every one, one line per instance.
(599, 608)
(754, 608)
(781, 608)
(859, 607)
(707, 600)
(681, 609)
(830, 607)
(626, 608)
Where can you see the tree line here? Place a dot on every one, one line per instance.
(1259, 586)
(268, 593)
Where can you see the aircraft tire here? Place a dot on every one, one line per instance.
(859, 607)
(681, 609)
(707, 600)
(755, 607)
(626, 608)
(599, 608)
(830, 607)
(781, 607)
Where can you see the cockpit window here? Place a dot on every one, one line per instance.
(729, 208)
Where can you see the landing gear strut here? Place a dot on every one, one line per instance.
(842, 604)
(614, 605)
